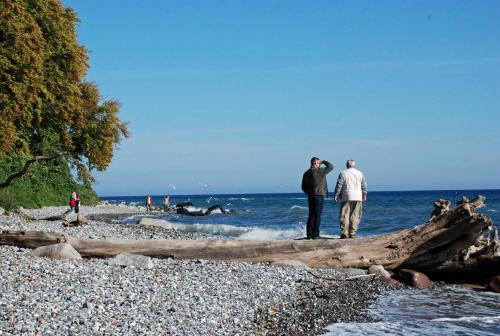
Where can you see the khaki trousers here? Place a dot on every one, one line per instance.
(350, 216)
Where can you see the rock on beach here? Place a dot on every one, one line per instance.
(135, 260)
(56, 251)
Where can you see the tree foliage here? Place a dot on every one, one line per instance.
(46, 183)
(46, 106)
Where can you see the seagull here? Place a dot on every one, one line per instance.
(203, 184)
(173, 187)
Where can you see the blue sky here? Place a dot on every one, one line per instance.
(236, 96)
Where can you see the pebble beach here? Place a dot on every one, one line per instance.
(41, 296)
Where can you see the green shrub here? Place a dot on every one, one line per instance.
(7, 201)
(45, 184)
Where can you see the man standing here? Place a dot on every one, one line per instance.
(149, 203)
(315, 186)
(351, 190)
(166, 203)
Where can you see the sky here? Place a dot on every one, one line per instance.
(237, 96)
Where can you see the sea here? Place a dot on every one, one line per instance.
(444, 310)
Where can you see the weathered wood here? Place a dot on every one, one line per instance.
(78, 222)
(455, 241)
(26, 217)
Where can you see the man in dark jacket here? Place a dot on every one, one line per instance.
(315, 186)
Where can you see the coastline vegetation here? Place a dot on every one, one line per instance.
(55, 128)
(46, 183)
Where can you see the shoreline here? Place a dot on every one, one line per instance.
(176, 297)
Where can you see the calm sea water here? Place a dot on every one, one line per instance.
(452, 310)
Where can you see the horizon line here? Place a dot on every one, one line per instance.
(282, 193)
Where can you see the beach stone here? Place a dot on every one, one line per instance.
(289, 263)
(495, 283)
(352, 271)
(2, 211)
(414, 278)
(391, 281)
(56, 251)
(129, 259)
(379, 270)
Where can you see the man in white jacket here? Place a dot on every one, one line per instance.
(351, 191)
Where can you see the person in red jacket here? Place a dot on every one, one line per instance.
(72, 201)
(74, 204)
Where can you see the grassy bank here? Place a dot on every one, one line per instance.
(45, 184)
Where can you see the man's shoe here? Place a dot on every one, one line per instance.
(352, 235)
(343, 236)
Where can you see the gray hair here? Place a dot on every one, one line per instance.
(350, 164)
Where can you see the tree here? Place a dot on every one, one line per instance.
(47, 109)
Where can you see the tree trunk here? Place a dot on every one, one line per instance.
(459, 242)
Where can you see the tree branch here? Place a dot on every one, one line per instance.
(25, 168)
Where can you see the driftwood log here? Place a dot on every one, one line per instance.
(455, 243)
(26, 217)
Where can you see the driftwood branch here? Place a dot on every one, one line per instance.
(48, 218)
(8, 181)
(457, 242)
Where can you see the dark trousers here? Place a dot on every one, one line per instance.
(314, 220)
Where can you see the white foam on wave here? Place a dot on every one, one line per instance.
(407, 328)
(130, 220)
(240, 198)
(368, 328)
(483, 319)
(192, 208)
(236, 232)
(298, 207)
(491, 210)
(256, 233)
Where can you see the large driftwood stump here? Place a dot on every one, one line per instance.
(459, 242)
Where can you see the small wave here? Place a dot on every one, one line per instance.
(240, 199)
(256, 233)
(491, 210)
(298, 207)
(484, 319)
(193, 209)
(408, 328)
(130, 220)
(236, 232)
